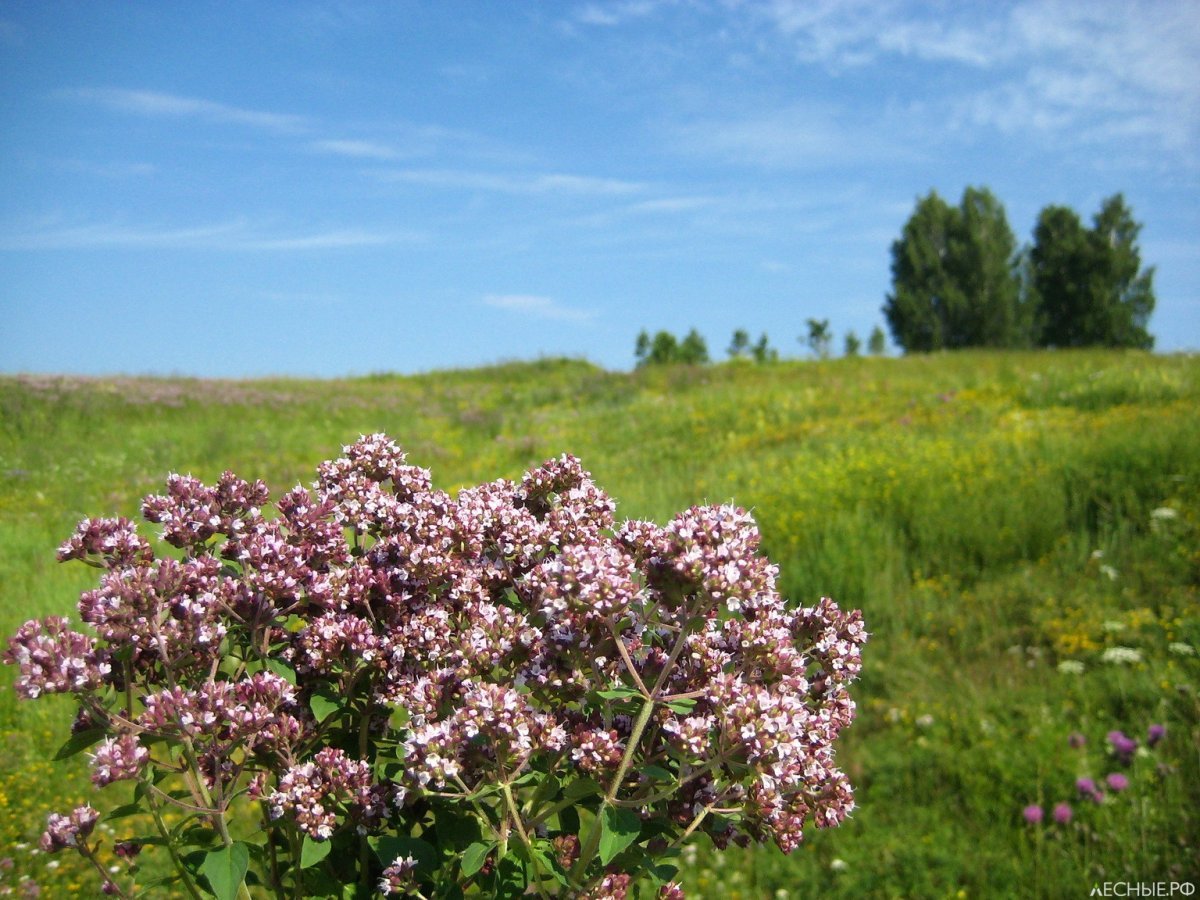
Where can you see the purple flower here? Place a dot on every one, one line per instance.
(53, 659)
(1157, 733)
(1033, 814)
(1123, 746)
(1087, 788)
(118, 759)
(68, 831)
(1117, 782)
(1076, 740)
(1062, 813)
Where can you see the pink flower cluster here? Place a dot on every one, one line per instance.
(515, 625)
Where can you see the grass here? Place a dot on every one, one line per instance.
(995, 515)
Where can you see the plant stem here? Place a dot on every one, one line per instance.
(166, 836)
(593, 840)
(516, 818)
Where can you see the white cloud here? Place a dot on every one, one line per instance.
(227, 236)
(537, 307)
(785, 137)
(159, 104)
(355, 149)
(611, 13)
(1071, 69)
(512, 183)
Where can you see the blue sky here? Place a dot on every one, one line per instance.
(238, 189)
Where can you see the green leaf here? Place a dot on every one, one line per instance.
(283, 670)
(621, 693)
(618, 829)
(120, 812)
(225, 869)
(684, 706)
(582, 787)
(313, 852)
(398, 719)
(77, 743)
(324, 702)
(658, 773)
(475, 856)
(548, 862)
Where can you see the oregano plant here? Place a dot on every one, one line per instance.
(379, 688)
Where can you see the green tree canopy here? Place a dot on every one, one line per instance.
(1089, 284)
(954, 281)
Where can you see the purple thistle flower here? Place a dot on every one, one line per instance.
(1076, 740)
(1117, 782)
(1033, 814)
(1123, 746)
(1156, 734)
(1062, 813)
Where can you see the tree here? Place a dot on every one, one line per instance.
(954, 278)
(641, 349)
(763, 352)
(661, 349)
(853, 344)
(739, 346)
(877, 342)
(1088, 283)
(693, 350)
(818, 338)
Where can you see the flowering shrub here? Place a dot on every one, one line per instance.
(384, 688)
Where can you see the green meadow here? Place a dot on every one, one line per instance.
(1019, 529)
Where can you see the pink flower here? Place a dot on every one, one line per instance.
(1117, 782)
(1062, 813)
(1033, 814)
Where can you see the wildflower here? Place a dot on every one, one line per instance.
(1181, 649)
(671, 891)
(1121, 655)
(398, 877)
(1071, 667)
(1109, 572)
(1161, 516)
(1076, 740)
(838, 865)
(68, 831)
(1123, 746)
(1087, 788)
(1156, 734)
(118, 759)
(318, 793)
(1062, 813)
(55, 660)
(1033, 814)
(1117, 782)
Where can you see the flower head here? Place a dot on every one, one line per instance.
(1116, 782)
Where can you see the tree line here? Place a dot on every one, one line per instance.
(663, 347)
(960, 280)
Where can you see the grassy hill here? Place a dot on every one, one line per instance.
(1006, 521)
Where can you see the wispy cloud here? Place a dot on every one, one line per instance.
(513, 183)
(537, 307)
(1075, 70)
(785, 137)
(162, 105)
(236, 236)
(355, 149)
(114, 169)
(611, 13)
